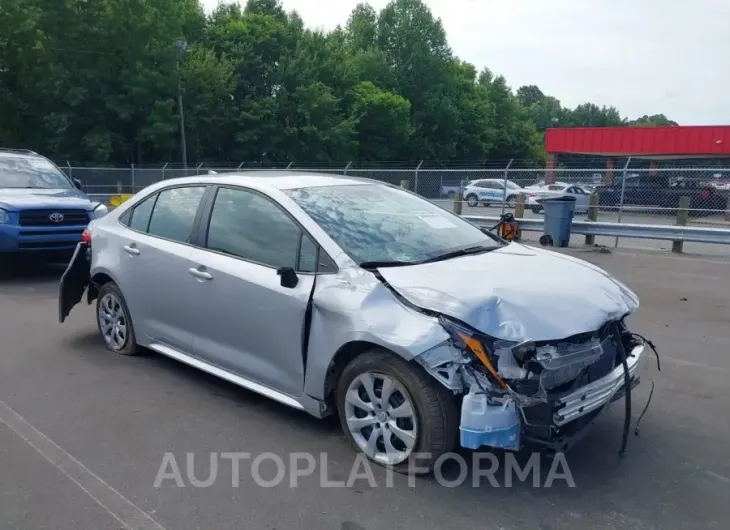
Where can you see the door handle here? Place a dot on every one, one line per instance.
(134, 251)
(202, 275)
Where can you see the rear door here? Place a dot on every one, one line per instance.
(153, 256)
(251, 324)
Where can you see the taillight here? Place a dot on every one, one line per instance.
(86, 236)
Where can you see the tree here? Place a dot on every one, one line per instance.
(656, 120)
(97, 82)
(529, 95)
(383, 122)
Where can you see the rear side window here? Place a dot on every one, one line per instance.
(173, 215)
(140, 214)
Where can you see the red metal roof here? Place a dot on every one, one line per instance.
(625, 141)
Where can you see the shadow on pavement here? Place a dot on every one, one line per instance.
(29, 271)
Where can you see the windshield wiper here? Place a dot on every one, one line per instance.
(368, 265)
(460, 252)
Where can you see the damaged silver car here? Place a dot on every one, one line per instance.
(341, 295)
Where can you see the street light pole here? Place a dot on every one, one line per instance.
(181, 45)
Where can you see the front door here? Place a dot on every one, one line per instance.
(251, 318)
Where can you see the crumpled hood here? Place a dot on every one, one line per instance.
(13, 199)
(517, 293)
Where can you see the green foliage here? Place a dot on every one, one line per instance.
(98, 81)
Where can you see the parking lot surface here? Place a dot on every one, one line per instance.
(83, 432)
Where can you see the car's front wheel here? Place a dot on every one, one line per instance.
(115, 324)
(395, 413)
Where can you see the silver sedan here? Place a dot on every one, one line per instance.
(348, 296)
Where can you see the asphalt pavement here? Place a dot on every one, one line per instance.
(84, 433)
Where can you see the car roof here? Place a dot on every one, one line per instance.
(18, 153)
(281, 180)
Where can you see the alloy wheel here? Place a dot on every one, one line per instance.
(381, 418)
(113, 322)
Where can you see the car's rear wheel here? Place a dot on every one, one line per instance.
(115, 324)
(512, 201)
(472, 200)
(395, 413)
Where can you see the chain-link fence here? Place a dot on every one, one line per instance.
(654, 195)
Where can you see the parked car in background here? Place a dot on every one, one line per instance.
(332, 294)
(663, 191)
(535, 195)
(42, 211)
(491, 191)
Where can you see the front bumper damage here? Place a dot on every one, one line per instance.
(576, 381)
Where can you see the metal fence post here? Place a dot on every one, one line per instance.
(70, 170)
(504, 184)
(133, 179)
(623, 190)
(197, 169)
(682, 217)
(163, 170)
(416, 177)
(344, 172)
(290, 164)
(239, 166)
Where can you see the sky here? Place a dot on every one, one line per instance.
(667, 57)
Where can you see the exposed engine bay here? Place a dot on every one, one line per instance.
(542, 392)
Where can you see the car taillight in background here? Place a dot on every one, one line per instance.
(86, 236)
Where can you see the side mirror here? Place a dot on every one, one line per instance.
(289, 278)
(78, 183)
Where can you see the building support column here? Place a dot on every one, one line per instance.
(610, 166)
(550, 165)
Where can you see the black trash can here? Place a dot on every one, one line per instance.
(558, 219)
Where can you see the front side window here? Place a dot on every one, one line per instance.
(174, 212)
(249, 226)
(377, 223)
(31, 172)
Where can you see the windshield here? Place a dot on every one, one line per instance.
(377, 223)
(30, 172)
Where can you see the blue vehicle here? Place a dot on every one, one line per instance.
(42, 211)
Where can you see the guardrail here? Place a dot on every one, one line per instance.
(694, 234)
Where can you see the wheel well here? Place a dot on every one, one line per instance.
(342, 358)
(97, 281)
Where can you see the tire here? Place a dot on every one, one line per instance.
(472, 200)
(536, 209)
(451, 194)
(111, 310)
(512, 201)
(433, 422)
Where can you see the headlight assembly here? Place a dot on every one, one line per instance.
(470, 342)
(4, 217)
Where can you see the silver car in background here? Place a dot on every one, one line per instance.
(341, 295)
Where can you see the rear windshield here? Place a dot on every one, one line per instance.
(373, 222)
(30, 172)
